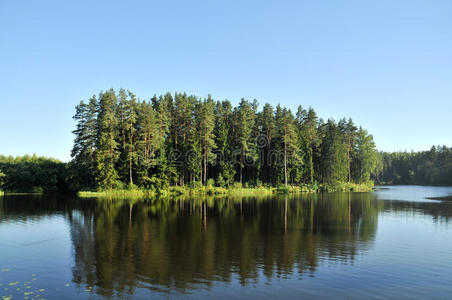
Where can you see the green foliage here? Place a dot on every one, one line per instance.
(210, 183)
(364, 157)
(185, 140)
(334, 154)
(32, 174)
(106, 147)
(433, 167)
(237, 185)
(124, 143)
(220, 181)
(2, 179)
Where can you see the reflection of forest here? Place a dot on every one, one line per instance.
(184, 243)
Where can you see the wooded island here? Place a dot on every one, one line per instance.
(180, 140)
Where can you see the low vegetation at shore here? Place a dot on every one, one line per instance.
(234, 190)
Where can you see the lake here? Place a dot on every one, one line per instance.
(390, 243)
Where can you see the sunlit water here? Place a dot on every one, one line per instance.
(391, 243)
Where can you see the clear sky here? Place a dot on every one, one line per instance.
(386, 64)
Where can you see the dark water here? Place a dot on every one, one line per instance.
(391, 243)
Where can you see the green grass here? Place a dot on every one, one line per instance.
(347, 187)
(234, 190)
(20, 193)
(117, 193)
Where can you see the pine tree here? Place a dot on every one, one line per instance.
(287, 136)
(244, 118)
(223, 140)
(107, 153)
(84, 150)
(181, 132)
(130, 119)
(333, 154)
(310, 132)
(164, 166)
(365, 156)
(267, 130)
(204, 119)
(348, 130)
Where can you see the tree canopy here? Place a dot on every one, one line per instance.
(184, 139)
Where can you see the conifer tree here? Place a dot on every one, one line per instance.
(83, 153)
(333, 154)
(349, 130)
(266, 124)
(223, 141)
(313, 140)
(205, 118)
(288, 137)
(131, 118)
(244, 117)
(365, 156)
(107, 153)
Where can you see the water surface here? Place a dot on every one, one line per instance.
(391, 243)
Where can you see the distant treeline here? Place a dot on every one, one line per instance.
(32, 174)
(433, 167)
(182, 139)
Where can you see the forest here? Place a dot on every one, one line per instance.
(179, 139)
(184, 140)
(433, 167)
(32, 174)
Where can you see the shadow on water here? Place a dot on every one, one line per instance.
(186, 243)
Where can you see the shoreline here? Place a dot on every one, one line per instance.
(212, 191)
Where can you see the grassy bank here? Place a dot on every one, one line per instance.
(178, 191)
(1, 193)
(235, 190)
(348, 187)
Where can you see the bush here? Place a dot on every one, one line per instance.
(220, 181)
(196, 185)
(37, 190)
(210, 183)
(237, 185)
(132, 187)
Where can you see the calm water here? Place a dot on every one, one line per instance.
(391, 243)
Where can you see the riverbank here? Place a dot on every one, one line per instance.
(235, 190)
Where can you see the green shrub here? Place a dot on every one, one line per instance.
(210, 182)
(196, 185)
(220, 181)
(237, 185)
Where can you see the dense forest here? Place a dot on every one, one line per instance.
(32, 174)
(182, 139)
(433, 167)
(121, 141)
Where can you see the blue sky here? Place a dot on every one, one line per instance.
(386, 64)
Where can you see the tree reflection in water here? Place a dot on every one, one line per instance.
(184, 243)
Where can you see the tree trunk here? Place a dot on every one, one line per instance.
(131, 156)
(130, 168)
(285, 164)
(311, 167)
(348, 158)
(241, 170)
(205, 163)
